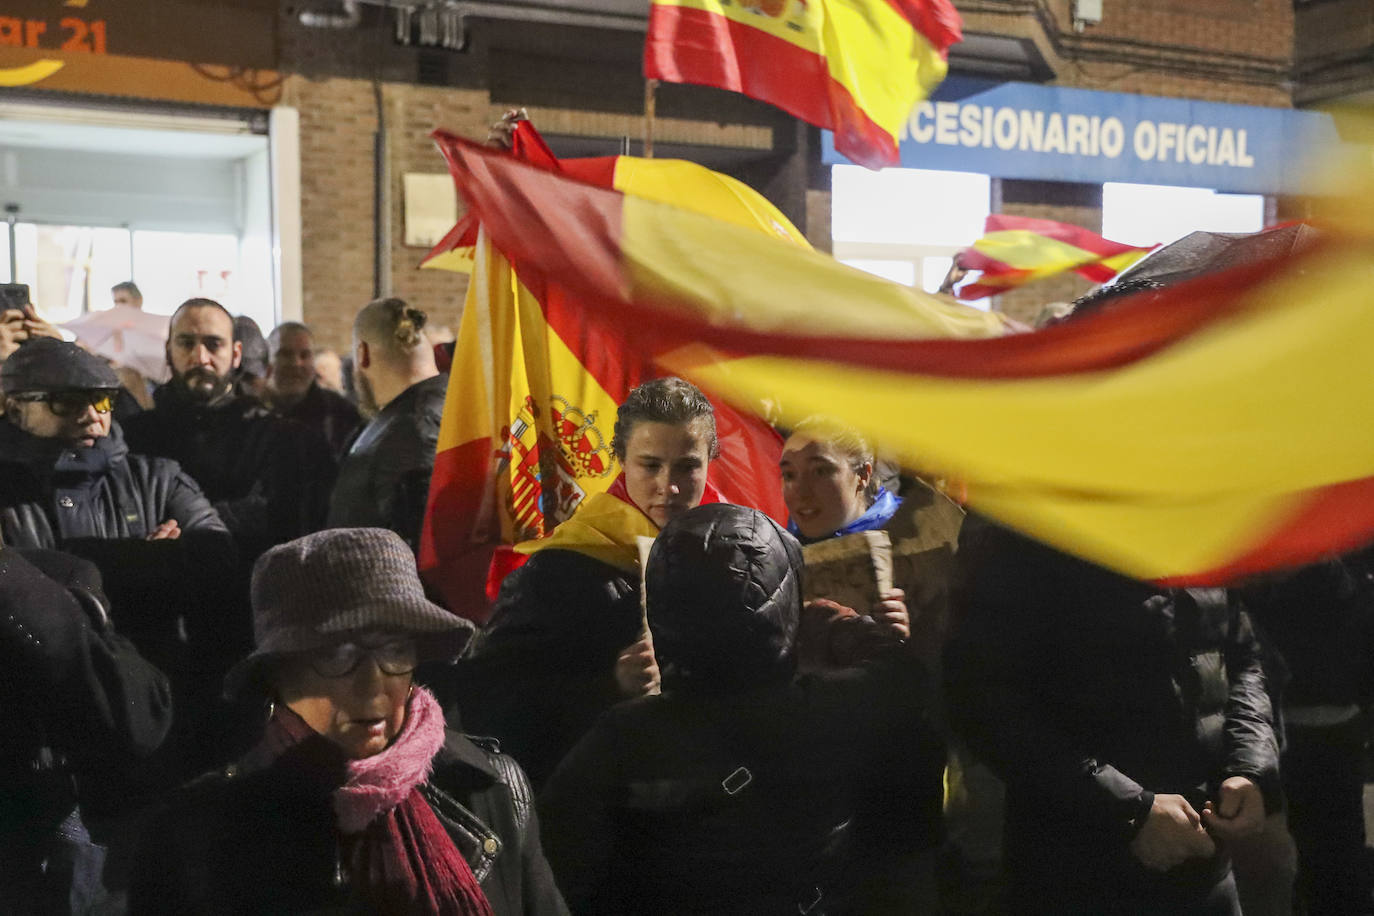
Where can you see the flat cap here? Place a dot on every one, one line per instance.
(45, 364)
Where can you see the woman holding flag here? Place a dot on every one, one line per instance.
(566, 638)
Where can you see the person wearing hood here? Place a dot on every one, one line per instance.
(69, 482)
(733, 790)
(268, 478)
(357, 798)
(565, 640)
(251, 379)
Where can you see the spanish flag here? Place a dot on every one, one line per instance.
(672, 181)
(537, 378)
(1016, 250)
(1202, 433)
(856, 67)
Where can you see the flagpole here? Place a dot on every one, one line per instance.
(650, 106)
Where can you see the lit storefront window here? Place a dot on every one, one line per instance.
(906, 224)
(1143, 214)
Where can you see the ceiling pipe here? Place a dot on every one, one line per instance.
(348, 17)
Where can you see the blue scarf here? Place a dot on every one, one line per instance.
(885, 505)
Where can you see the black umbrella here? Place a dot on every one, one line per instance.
(1201, 253)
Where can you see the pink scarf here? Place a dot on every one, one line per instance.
(401, 858)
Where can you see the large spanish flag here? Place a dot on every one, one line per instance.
(856, 67)
(1016, 250)
(538, 375)
(1211, 430)
(673, 181)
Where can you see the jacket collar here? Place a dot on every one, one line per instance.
(460, 751)
(48, 457)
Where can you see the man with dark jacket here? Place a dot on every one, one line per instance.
(384, 477)
(267, 477)
(69, 482)
(1130, 723)
(296, 394)
(81, 710)
(734, 790)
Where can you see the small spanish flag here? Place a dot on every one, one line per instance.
(1016, 250)
(1209, 431)
(856, 67)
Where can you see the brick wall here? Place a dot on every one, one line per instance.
(1333, 49)
(1216, 50)
(338, 120)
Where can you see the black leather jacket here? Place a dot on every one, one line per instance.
(247, 840)
(51, 492)
(384, 477)
(101, 503)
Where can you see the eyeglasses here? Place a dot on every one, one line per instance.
(393, 658)
(68, 404)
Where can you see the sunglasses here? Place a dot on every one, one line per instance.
(393, 658)
(68, 404)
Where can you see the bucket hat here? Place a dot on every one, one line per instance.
(317, 590)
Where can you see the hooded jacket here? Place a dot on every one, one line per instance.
(732, 791)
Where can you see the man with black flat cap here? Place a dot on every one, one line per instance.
(68, 471)
(68, 482)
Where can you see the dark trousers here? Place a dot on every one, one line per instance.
(1323, 777)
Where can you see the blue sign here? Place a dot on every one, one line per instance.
(1050, 133)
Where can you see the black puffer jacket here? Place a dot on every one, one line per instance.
(268, 478)
(101, 503)
(264, 841)
(731, 792)
(51, 493)
(384, 477)
(79, 711)
(1089, 692)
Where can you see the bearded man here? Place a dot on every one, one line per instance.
(267, 477)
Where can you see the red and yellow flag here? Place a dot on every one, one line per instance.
(1016, 250)
(1211, 430)
(856, 67)
(537, 379)
(674, 181)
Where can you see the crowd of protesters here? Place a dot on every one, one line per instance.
(228, 691)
